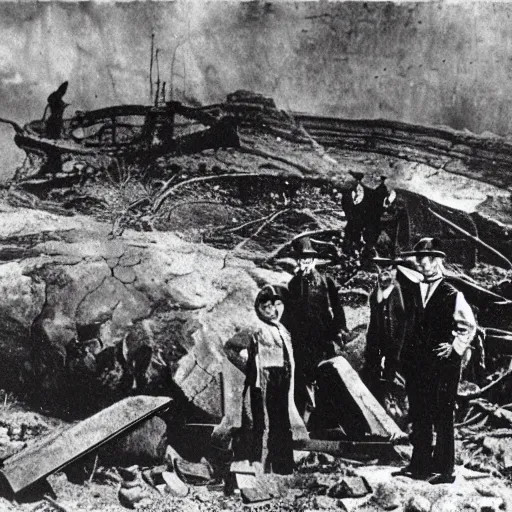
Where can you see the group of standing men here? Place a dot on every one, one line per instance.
(422, 325)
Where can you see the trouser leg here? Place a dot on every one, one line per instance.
(280, 442)
(421, 420)
(446, 393)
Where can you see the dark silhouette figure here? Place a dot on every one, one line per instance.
(354, 203)
(378, 201)
(57, 106)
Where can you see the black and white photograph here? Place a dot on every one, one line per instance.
(255, 255)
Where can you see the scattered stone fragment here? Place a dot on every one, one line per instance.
(245, 481)
(130, 484)
(175, 486)
(501, 449)
(195, 473)
(417, 504)
(153, 476)
(490, 504)
(253, 495)
(300, 456)
(130, 473)
(325, 503)
(487, 489)
(350, 487)
(162, 489)
(325, 458)
(130, 497)
(310, 483)
(448, 503)
(386, 496)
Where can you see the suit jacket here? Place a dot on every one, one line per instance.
(315, 320)
(445, 318)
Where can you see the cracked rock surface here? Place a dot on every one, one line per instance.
(144, 312)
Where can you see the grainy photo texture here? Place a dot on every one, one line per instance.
(255, 255)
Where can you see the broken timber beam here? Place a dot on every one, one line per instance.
(341, 380)
(350, 449)
(61, 448)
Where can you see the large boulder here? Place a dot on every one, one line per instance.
(87, 318)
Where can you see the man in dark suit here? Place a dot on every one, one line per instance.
(316, 322)
(441, 328)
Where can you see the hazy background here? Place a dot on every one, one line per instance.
(426, 62)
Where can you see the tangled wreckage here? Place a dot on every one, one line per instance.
(131, 132)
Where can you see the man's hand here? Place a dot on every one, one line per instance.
(444, 350)
(342, 338)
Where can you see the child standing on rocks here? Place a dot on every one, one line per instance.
(270, 420)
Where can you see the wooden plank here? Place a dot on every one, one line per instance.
(378, 420)
(56, 451)
(246, 481)
(243, 467)
(351, 449)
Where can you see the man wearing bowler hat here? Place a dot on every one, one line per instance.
(442, 328)
(316, 322)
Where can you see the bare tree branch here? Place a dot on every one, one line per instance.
(273, 156)
(270, 219)
(239, 246)
(472, 237)
(480, 392)
(471, 421)
(167, 192)
(185, 203)
(18, 129)
(315, 232)
(137, 203)
(246, 224)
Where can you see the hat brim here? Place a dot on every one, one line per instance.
(388, 262)
(436, 254)
(305, 254)
(384, 261)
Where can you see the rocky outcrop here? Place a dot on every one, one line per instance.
(87, 318)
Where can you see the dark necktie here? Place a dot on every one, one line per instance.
(430, 283)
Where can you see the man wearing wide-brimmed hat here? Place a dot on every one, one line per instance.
(442, 328)
(317, 321)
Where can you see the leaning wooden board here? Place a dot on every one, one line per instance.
(59, 449)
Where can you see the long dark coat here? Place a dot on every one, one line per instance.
(315, 321)
(384, 339)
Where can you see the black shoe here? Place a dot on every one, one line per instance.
(421, 476)
(403, 472)
(440, 478)
(411, 473)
